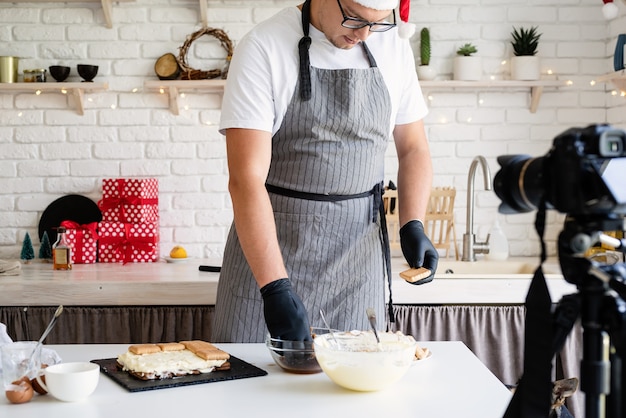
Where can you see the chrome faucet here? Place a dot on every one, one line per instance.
(471, 247)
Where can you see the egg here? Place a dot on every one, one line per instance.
(35, 384)
(20, 391)
(37, 387)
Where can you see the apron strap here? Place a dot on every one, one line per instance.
(369, 56)
(303, 52)
(316, 196)
(378, 202)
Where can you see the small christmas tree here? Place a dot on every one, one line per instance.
(28, 253)
(45, 251)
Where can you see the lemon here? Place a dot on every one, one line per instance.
(178, 252)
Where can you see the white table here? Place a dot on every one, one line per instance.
(452, 383)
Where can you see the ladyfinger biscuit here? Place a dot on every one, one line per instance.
(414, 275)
(144, 349)
(216, 354)
(171, 346)
(197, 345)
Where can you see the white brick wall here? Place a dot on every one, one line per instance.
(47, 150)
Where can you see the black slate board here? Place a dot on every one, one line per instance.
(71, 207)
(239, 369)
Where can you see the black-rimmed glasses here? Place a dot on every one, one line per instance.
(356, 23)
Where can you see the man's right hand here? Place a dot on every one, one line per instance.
(285, 315)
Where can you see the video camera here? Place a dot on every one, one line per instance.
(584, 173)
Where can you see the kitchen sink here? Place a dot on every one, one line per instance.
(493, 269)
(523, 267)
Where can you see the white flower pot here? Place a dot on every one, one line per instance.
(525, 67)
(426, 72)
(467, 68)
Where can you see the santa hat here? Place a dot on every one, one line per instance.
(609, 10)
(405, 29)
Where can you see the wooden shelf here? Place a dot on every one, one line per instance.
(174, 87)
(77, 89)
(107, 6)
(536, 87)
(618, 78)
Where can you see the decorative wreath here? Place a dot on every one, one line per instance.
(189, 73)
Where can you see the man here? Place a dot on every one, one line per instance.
(308, 111)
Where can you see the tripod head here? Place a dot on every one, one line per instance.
(578, 235)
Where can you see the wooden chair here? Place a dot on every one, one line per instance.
(439, 220)
(438, 223)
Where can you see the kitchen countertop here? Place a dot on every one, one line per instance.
(452, 383)
(162, 283)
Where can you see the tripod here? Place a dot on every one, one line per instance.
(601, 308)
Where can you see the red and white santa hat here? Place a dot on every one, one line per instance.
(405, 29)
(609, 10)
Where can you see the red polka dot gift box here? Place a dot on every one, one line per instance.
(134, 200)
(120, 242)
(82, 240)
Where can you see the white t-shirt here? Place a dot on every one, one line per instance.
(264, 71)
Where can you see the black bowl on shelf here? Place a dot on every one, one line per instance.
(59, 72)
(87, 72)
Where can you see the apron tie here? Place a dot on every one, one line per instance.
(303, 51)
(379, 206)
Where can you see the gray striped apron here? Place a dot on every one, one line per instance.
(325, 186)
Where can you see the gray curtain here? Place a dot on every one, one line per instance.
(110, 325)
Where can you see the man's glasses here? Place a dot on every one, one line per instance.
(355, 23)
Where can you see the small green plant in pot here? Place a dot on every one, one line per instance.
(425, 71)
(466, 66)
(467, 50)
(525, 64)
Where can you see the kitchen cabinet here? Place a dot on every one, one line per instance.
(618, 79)
(536, 87)
(107, 6)
(173, 89)
(77, 89)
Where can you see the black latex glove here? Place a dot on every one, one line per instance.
(285, 315)
(418, 250)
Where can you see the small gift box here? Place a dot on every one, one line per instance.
(132, 201)
(82, 240)
(128, 243)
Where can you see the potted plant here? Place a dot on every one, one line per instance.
(466, 66)
(525, 64)
(425, 71)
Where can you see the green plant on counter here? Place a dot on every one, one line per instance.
(467, 50)
(425, 46)
(28, 252)
(525, 41)
(45, 250)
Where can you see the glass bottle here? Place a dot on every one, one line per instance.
(61, 252)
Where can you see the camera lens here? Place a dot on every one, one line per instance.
(519, 183)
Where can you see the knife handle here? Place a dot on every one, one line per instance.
(212, 269)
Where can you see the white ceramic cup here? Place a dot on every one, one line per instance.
(71, 382)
